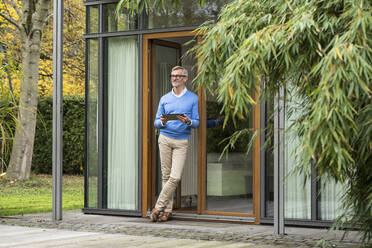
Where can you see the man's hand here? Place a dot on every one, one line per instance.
(184, 119)
(163, 120)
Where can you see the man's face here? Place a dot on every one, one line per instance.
(178, 78)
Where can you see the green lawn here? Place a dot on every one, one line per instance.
(35, 194)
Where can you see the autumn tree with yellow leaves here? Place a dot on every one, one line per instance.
(26, 48)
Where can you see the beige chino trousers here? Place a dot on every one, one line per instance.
(172, 156)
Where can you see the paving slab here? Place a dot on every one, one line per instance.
(31, 237)
(195, 232)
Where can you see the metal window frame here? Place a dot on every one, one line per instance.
(140, 121)
(105, 121)
(279, 110)
(95, 2)
(138, 32)
(87, 45)
(262, 159)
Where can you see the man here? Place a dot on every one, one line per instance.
(173, 138)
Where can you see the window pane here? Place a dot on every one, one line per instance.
(113, 23)
(93, 17)
(297, 191)
(186, 13)
(229, 180)
(329, 202)
(122, 123)
(269, 160)
(92, 123)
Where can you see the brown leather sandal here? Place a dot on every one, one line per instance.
(154, 215)
(165, 217)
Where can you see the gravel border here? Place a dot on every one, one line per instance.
(145, 228)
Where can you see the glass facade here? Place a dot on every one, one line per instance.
(92, 123)
(112, 64)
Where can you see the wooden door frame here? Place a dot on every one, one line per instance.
(147, 128)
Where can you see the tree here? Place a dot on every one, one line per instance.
(320, 48)
(73, 52)
(29, 23)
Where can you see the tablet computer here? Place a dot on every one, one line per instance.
(172, 116)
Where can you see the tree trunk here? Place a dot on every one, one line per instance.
(33, 21)
(21, 157)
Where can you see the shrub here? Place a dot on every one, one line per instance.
(73, 135)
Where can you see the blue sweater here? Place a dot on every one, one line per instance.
(170, 104)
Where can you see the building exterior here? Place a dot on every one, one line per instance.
(128, 64)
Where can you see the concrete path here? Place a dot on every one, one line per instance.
(30, 237)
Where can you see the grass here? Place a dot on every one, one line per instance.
(35, 194)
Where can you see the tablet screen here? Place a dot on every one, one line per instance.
(171, 116)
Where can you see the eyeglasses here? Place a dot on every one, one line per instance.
(177, 76)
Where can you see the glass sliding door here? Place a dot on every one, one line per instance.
(121, 170)
(229, 179)
(92, 125)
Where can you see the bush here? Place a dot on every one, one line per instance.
(73, 135)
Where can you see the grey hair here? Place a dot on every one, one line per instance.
(184, 71)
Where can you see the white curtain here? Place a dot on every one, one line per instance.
(122, 171)
(297, 192)
(330, 195)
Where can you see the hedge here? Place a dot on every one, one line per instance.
(73, 135)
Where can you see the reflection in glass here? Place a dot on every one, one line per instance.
(186, 13)
(229, 180)
(123, 21)
(122, 123)
(93, 17)
(92, 122)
